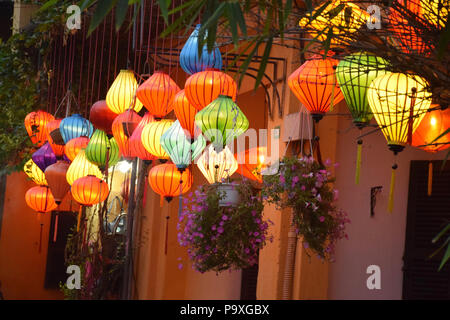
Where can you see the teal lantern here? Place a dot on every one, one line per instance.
(221, 121)
(101, 149)
(179, 147)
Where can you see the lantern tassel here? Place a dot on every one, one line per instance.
(430, 178)
(391, 189)
(358, 162)
(55, 233)
(40, 238)
(79, 218)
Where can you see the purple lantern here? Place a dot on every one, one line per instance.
(44, 157)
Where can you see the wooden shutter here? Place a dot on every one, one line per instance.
(249, 283)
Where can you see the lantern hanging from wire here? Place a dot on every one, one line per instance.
(179, 147)
(204, 87)
(35, 173)
(190, 60)
(82, 167)
(89, 190)
(73, 147)
(35, 123)
(217, 166)
(121, 95)
(40, 199)
(251, 162)
(101, 116)
(123, 128)
(135, 142)
(75, 126)
(52, 129)
(151, 137)
(315, 85)
(101, 151)
(168, 182)
(44, 156)
(56, 177)
(185, 113)
(157, 94)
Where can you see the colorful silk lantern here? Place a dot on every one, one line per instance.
(35, 123)
(168, 182)
(101, 116)
(75, 126)
(35, 173)
(123, 128)
(121, 95)
(251, 162)
(435, 11)
(40, 199)
(217, 166)
(179, 147)
(204, 87)
(185, 113)
(157, 94)
(89, 190)
(82, 167)
(44, 156)
(56, 177)
(52, 128)
(101, 151)
(151, 137)
(315, 85)
(73, 147)
(135, 142)
(222, 121)
(190, 60)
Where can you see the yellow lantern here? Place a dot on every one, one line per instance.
(35, 173)
(121, 95)
(81, 167)
(217, 166)
(435, 11)
(151, 137)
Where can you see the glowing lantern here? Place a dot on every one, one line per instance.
(75, 126)
(157, 93)
(191, 62)
(123, 128)
(34, 173)
(101, 116)
(204, 87)
(222, 121)
(121, 95)
(44, 156)
(151, 137)
(89, 190)
(40, 199)
(101, 151)
(35, 123)
(435, 11)
(217, 166)
(136, 146)
(52, 128)
(179, 147)
(168, 182)
(251, 163)
(185, 113)
(56, 177)
(74, 146)
(82, 167)
(314, 84)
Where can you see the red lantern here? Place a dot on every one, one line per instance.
(157, 94)
(101, 116)
(73, 147)
(89, 190)
(204, 87)
(56, 178)
(432, 126)
(165, 180)
(123, 128)
(136, 147)
(35, 123)
(52, 126)
(40, 199)
(185, 113)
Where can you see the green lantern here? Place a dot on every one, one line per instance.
(177, 143)
(221, 121)
(100, 148)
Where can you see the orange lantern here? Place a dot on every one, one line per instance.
(250, 163)
(58, 149)
(56, 178)
(157, 94)
(432, 126)
(204, 87)
(315, 85)
(89, 190)
(123, 128)
(35, 123)
(74, 146)
(185, 113)
(136, 147)
(168, 182)
(40, 199)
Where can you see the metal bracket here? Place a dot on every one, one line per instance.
(374, 191)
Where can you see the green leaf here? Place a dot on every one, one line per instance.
(264, 60)
(102, 10)
(239, 15)
(232, 24)
(445, 258)
(440, 234)
(327, 42)
(121, 13)
(47, 5)
(164, 6)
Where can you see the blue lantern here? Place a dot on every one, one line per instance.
(192, 63)
(75, 126)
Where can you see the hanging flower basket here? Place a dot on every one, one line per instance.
(230, 196)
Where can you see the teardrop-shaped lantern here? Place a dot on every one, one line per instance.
(51, 128)
(34, 173)
(157, 94)
(178, 146)
(100, 151)
(217, 166)
(185, 113)
(315, 85)
(121, 95)
(165, 180)
(82, 167)
(35, 123)
(123, 128)
(151, 137)
(44, 156)
(56, 177)
(101, 116)
(251, 163)
(40, 199)
(89, 190)
(73, 147)
(75, 126)
(136, 146)
(204, 87)
(222, 121)
(433, 125)
(191, 62)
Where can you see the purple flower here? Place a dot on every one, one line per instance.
(303, 188)
(327, 162)
(282, 179)
(180, 266)
(321, 218)
(306, 245)
(213, 227)
(256, 234)
(247, 250)
(224, 217)
(220, 229)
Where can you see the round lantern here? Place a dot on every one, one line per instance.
(123, 128)
(135, 142)
(157, 93)
(151, 137)
(222, 121)
(180, 149)
(52, 129)
(56, 177)
(204, 87)
(75, 126)
(433, 125)
(314, 84)
(73, 147)
(35, 123)
(190, 60)
(40, 199)
(34, 173)
(89, 190)
(185, 113)
(44, 156)
(217, 166)
(121, 95)
(81, 167)
(251, 163)
(101, 116)
(435, 11)
(165, 180)
(101, 151)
